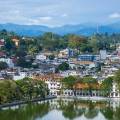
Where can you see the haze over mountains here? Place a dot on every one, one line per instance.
(80, 29)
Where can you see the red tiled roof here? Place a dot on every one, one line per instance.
(48, 77)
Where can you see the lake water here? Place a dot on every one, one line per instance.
(64, 109)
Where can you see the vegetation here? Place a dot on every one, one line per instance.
(74, 109)
(3, 65)
(62, 67)
(25, 89)
(68, 82)
(117, 79)
(106, 86)
(71, 82)
(53, 42)
(91, 83)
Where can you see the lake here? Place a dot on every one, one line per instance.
(64, 109)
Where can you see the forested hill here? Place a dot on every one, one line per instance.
(81, 29)
(54, 42)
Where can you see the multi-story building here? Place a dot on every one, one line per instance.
(41, 57)
(53, 82)
(115, 93)
(66, 53)
(103, 54)
(86, 57)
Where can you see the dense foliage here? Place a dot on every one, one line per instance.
(3, 65)
(25, 89)
(53, 42)
(63, 66)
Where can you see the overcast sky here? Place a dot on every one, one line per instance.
(59, 12)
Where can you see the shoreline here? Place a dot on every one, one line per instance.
(59, 97)
(26, 102)
(90, 98)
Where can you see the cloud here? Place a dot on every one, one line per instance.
(114, 15)
(64, 15)
(57, 12)
(40, 20)
(47, 18)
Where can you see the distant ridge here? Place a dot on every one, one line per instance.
(80, 29)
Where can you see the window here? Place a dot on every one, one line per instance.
(80, 93)
(116, 94)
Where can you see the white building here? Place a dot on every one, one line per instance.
(54, 87)
(115, 92)
(103, 54)
(20, 76)
(70, 73)
(53, 82)
(66, 53)
(41, 57)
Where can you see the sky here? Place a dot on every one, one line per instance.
(59, 12)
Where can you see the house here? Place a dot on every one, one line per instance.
(115, 93)
(20, 75)
(76, 64)
(69, 73)
(53, 82)
(66, 53)
(16, 41)
(41, 57)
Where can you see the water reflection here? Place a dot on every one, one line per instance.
(64, 109)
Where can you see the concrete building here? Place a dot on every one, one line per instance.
(86, 57)
(103, 54)
(53, 82)
(20, 76)
(66, 53)
(115, 93)
(41, 57)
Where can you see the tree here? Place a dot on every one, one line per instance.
(93, 43)
(7, 91)
(117, 78)
(64, 66)
(106, 86)
(23, 63)
(76, 42)
(33, 49)
(91, 83)
(32, 88)
(3, 65)
(68, 82)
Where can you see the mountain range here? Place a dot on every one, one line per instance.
(80, 29)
